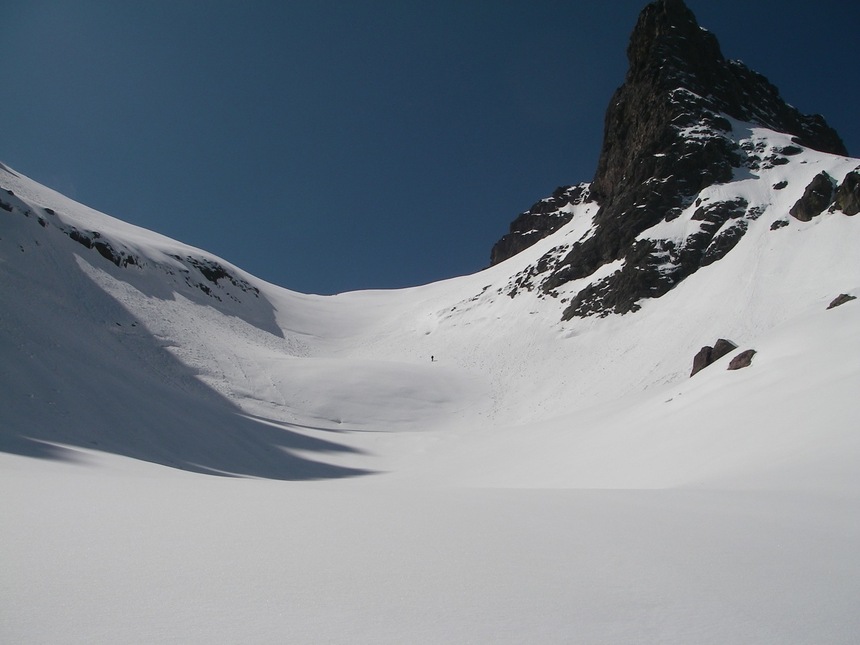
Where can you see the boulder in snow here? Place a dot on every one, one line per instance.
(708, 354)
(817, 196)
(744, 359)
(841, 299)
(848, 194)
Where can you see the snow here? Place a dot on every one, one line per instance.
(184, 466)
(183, 559)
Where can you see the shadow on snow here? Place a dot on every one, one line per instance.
(70, 377)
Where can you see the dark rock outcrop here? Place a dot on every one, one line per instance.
(94, 240)
(817, 196)
(841, 299)
(213, 272)
(708, 354)
(542, 219)
(744, 359)
(848, 194)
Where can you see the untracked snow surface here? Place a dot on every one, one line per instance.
(191, 455)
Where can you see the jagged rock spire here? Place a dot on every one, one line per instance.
(678, 81)
(665, 30)
(668, 135)
(678, 75)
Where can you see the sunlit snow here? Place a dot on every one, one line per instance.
(201, 461)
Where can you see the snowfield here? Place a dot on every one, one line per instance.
(191, 455)
(108, 551)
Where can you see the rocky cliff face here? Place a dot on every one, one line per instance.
(542, 219)
(669, 134)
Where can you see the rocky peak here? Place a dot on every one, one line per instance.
(679, 78)
(668, 135)
(668, 40)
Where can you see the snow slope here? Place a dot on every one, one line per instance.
(539, 481)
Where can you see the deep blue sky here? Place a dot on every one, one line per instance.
(330, 146)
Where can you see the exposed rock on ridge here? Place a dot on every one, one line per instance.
(543, 218)
(668, 136)
(822, 194)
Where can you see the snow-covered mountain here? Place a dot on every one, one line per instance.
(451, 445)
(685, 121)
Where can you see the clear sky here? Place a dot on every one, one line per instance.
(329, 146)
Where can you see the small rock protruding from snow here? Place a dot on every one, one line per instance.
(708, 354)
(841, 299)
(744, 359)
